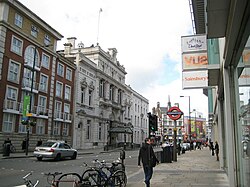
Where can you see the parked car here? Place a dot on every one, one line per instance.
(55, 149)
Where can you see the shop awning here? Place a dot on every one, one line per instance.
(125, 130)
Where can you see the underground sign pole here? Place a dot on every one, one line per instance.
(174, 113)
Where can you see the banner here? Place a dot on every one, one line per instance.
(26, 105)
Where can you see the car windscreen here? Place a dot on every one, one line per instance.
(48, 144)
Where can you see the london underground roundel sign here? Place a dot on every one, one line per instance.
(174, 113)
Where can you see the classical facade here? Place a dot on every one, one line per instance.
(107, 111)
(36, 82)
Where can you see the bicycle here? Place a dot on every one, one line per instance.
(28, 183)
(12, 148)
(97, 176)
(65, 180)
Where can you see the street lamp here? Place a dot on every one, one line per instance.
(194, 110)
(29, 122)
(189, 118)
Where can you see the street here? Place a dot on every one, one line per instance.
(12, 170)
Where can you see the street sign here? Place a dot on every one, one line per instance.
(174, 113)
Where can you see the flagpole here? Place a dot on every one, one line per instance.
(98, 25)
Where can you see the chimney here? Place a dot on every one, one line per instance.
(72, 41)
(67, 48)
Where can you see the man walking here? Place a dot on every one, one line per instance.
(149, 160)
(216, 147)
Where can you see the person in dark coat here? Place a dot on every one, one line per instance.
(216, 147)
(147, 157)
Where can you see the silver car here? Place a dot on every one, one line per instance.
(55, 150)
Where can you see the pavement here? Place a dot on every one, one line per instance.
(192, 169)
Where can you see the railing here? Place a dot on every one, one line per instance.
(26, 84)
(12, 105)
(62, 116)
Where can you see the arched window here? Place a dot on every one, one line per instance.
(30, 53)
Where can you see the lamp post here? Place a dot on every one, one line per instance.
(194, 110)
(189, 118)
(30, 103)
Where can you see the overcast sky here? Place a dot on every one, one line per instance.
(146, 33)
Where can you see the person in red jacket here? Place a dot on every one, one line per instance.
(148, 159)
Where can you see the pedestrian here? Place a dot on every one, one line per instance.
(39, 142)
(149, 160)
(212, 147)
(24, 144)
(216, 147)
(7, 141)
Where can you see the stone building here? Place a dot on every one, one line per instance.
(107, 111)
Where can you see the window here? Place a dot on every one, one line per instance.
(65, 129)
(101, 88)
(47, 39)
(60, 68)
(59, 87)
(34, 31)
(40, 126)
(45, 61)
(58, 109)
(90, 97)
(68, 74)
(42, 103)
(16, 45)
(30, 52)
(11, 93)
(8, 122)
(119, 96)
(67, 112)
(43, 83)
(27, 80)
(100, 131)
(88, 129)
(13, 73)
(18, 20)
(56, 128)
(83, 90)
(111, 88)
(67, 92)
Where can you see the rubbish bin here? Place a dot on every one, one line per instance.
(6, 149)
(166, 155)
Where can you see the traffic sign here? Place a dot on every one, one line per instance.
(174, 113)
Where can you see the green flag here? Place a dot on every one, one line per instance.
(26, 105)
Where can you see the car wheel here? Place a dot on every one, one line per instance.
(39, 158)
(74, 156)
(58, 157)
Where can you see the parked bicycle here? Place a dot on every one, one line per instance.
(28, 182)
(102, 175)
(64, 180)
(12, 148)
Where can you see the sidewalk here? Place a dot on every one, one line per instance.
(194, 168)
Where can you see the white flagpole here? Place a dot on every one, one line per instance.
(98, 25)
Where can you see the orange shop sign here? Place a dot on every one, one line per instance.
(194, 61)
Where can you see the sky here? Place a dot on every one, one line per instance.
(146, 33)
